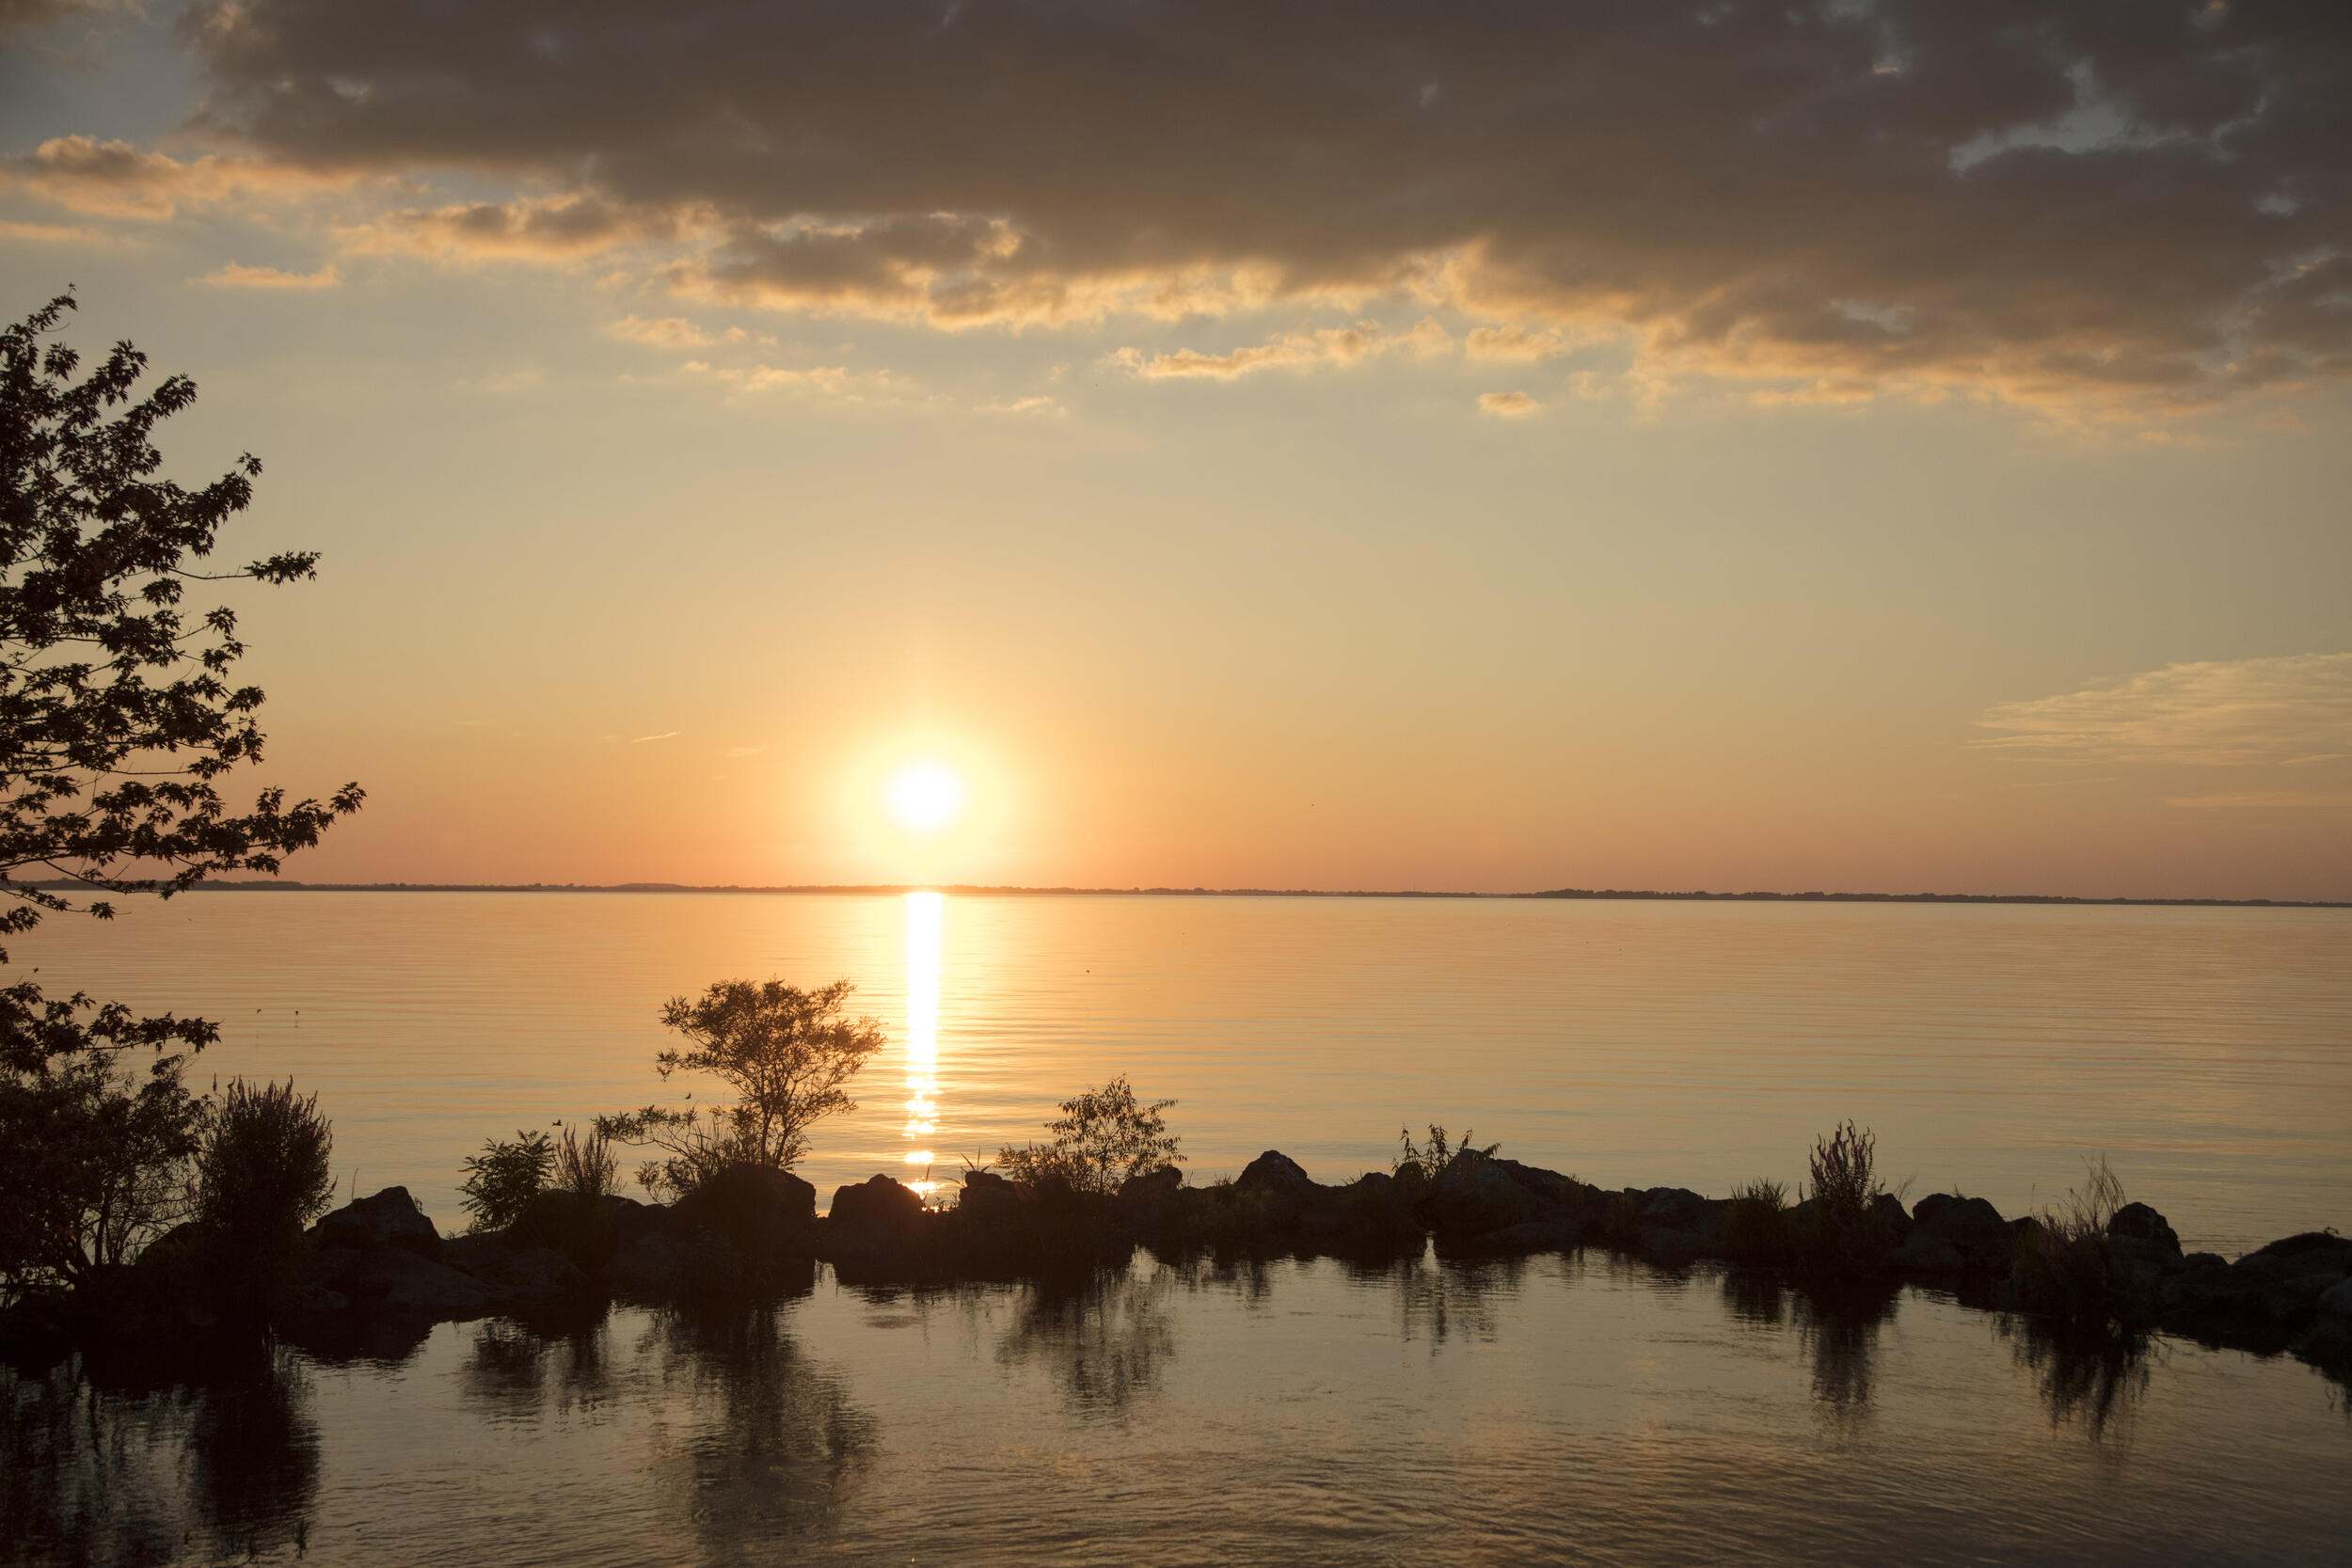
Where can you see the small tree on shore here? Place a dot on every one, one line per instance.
(501, 1180)
(785, 1052)
(117, 725)
(1102, 1138)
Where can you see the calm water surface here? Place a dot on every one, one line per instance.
(1561, 1409)
(1568, 1408)
(2208, 1053)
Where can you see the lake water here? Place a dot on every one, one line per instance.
(1559, 1409)
(2206, 1052)
(1577, 1408)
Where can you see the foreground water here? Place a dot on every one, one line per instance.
(2206, 1052)
(1558, 1409)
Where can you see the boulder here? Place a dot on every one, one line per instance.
(1151, 1188)
(397, 1282)
(521, 1279)
(1564, 1192)
(758, 1210)
(877, 1216)
(987, 1194)
(2264, 1299)
(1276, 1174)
(1950, 1235)
(1475, 1195)
(2147, 1229)
(387, 1219)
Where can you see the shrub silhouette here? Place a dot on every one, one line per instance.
(786, 1052)
(1102, 1138)
(265, 1171)
(266, 1168)
(1755, 1223)
(2066, 1271)
(585, 1168)
(501, 1180)
(1840, 1230)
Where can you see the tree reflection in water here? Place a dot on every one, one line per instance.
(511, 1371)
(1441, 1298)
(88, 1468)
(775, 1444)
(2092, 1382)
(1838, 1329)
(1104, 1338)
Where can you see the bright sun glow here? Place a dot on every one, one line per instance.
(924, 797)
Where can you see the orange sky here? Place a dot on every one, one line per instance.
(1771, 452)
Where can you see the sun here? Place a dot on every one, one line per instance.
(924, 797)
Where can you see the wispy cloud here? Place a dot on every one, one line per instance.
(1517, 344)
(1322, 349)
(1508, 405)
(2286, 711)
(114, 178)
(49, 234)
(835, 382)
(644, 739)
(2265, 800)
(238, 275)
(679, 332)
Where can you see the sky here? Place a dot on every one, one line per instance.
(1847, 446)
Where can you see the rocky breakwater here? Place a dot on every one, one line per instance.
(376, 1272)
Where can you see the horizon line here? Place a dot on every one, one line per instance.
(1007, 890)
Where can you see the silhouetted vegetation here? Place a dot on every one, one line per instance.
(94, 1166)
(1102, 1138)
(501, 1180)
(1841, 1228)
(118, 721)
(2066, 1272)
(266, 1167)
(786, 1052)
(585, 1168)
(1755, 1223)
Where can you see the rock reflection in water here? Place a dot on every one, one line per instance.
(225, 1468)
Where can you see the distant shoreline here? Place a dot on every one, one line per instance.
(968, 890)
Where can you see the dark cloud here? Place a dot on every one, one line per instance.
(2110, 200)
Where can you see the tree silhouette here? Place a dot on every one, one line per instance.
(785, 1051)
(119, 722)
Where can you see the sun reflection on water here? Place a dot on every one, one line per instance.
(923, 912)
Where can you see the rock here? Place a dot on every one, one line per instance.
(393, 1281)
(875, 1218)
(1950, 1235)
(1671, 1208)
(988, 1197)
(2337, 1303)
(181, 1247)
(2136, 1222)
(1927, 1255)
(1564, 1192)
(1475, 1197)
(1151, 1188)
(389, 1218)
(1276, 1174)
(759, 1210)
(2264, 1299)
(519, 1277)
